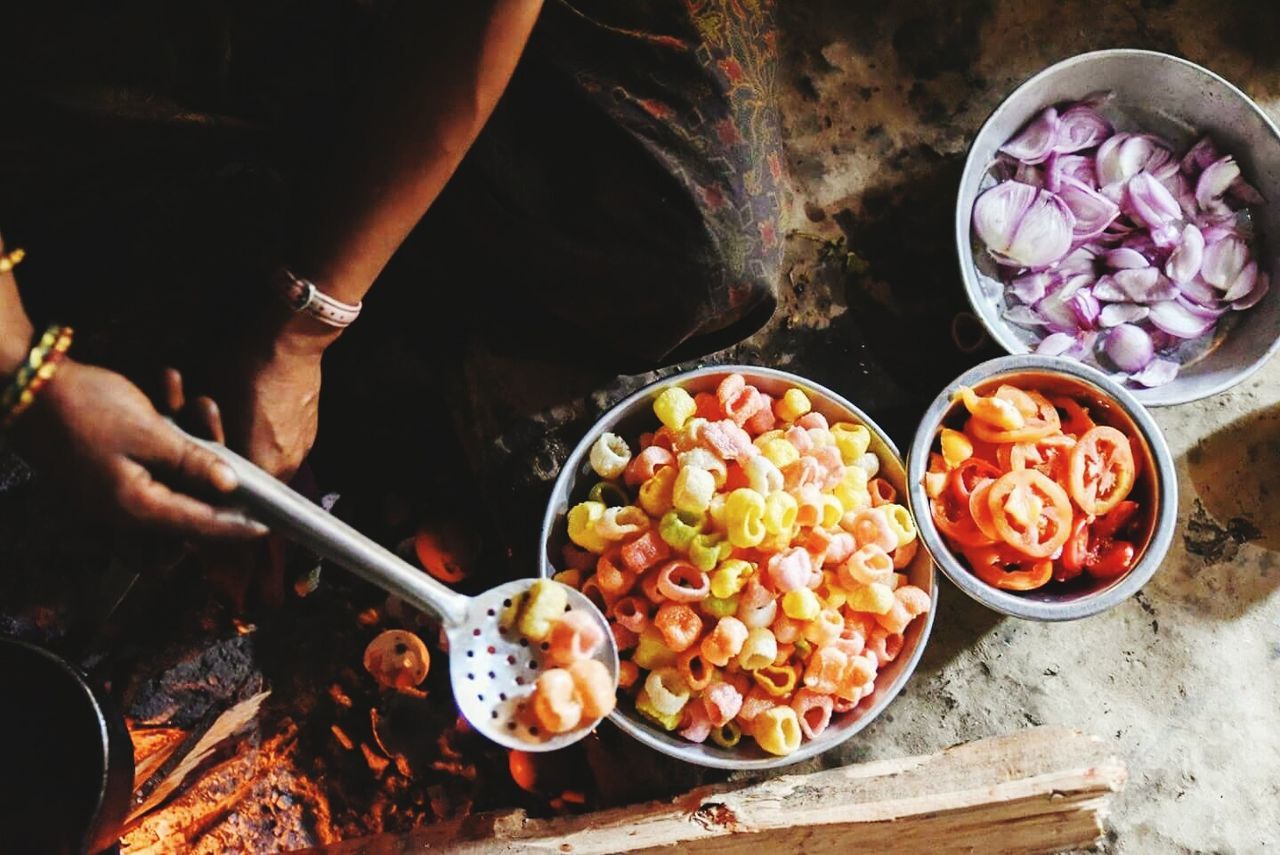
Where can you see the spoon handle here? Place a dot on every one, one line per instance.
(306, 523)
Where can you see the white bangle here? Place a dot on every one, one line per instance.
(302, 295)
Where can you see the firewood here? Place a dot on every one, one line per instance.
(1041, 790)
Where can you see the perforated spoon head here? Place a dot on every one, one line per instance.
(494, 669)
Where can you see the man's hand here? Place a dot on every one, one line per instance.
(273, 417)
(98, 436)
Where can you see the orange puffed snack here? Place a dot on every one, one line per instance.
(679, 624)
(594, 688)
(574, 636)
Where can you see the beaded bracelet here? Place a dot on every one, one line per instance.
(11, 259)
(40, 366)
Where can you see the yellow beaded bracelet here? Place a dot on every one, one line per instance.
(11, 259)
(38, 369)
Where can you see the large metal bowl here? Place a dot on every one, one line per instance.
(635, 415)
(1178, 100)
(1108, 403)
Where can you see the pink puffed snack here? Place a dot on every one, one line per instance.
(574, 636)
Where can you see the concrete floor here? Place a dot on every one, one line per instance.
(1184, 679)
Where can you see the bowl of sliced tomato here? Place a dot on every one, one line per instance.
(1042, 488)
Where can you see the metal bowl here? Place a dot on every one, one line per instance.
(1108, 403)
(633, 416)
(1176, 99)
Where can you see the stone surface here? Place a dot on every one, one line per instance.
(879, 104)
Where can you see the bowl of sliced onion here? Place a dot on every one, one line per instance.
(1122, 208)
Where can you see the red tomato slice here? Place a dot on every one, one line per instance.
(991, 563)
(969, 474)
(1031, 513)
(1075, 552)
(1111, 560)
(1042, 424)
(1100, 470)
(980, 510)
(1048, 455)
(1107, 525)
(953, 520)
(1078, 422)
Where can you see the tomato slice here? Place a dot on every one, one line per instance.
(1111, 560)
(980, 510)
(953, 520)
(1042, 424)
(1048, 455)
(969, 474)
(1030, 512)
(1115, 520)
(1078, 421)
(1075, 552)
(1100, 470)
(991, 564)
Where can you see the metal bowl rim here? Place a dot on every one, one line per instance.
(645, 734)
(1009, 604)
(964, 249)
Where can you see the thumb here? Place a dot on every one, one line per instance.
(188, 460)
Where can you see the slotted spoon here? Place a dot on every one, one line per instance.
(492, 669)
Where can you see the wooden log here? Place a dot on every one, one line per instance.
(1041, 790)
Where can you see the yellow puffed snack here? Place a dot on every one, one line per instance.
(693, 490)
(832, 511)
(541, 606)
(678, 529)
(668, 692)
(830, 591)
(777, 730)
(609, 456)
(760, 648)
(852, 489)
(852, 440)
(555, 701)
(793, 404)
(715, 511)
(572, 578)
(801, 604)
(778, 680)
(704, 459)
(584, 520)
(729, 577)
(744, 518)
(595, 689)
(899, 519)
(956, 447)
(875, 598)
(674, 407)
(652, 651)
(666, 721)
(707, 550)
(778, 450)
(655, 494)
(780, 509)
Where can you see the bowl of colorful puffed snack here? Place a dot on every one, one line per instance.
(1042, 488)
(1122, 208)
(746, 533)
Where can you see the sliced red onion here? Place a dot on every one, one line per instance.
(1166, 237)
(1141, 242)
(1058, 314)
(1080, 127)
(1056, 344)
(1199, 291)
(1079, 261)
(1223, 262)
(1029, 175)
(1129, 348)
(1260, 288)
(1199, 156)
(1184, 263)
(1036, 141)
(1068, 288)
(1150, 202)
(1183, 189)
(1031, 288)
(1075, 166)
(1141, 285)
(1214, 182)
(1093, 211)
(1175, 319)
(1114, 314)
(1243, 284)
(1023, 225)
(1085, 307)
(1201, 310)
(1157, 373)
(1219, 229)
(1125, 155)
(1125, 258)
(1023, 316)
